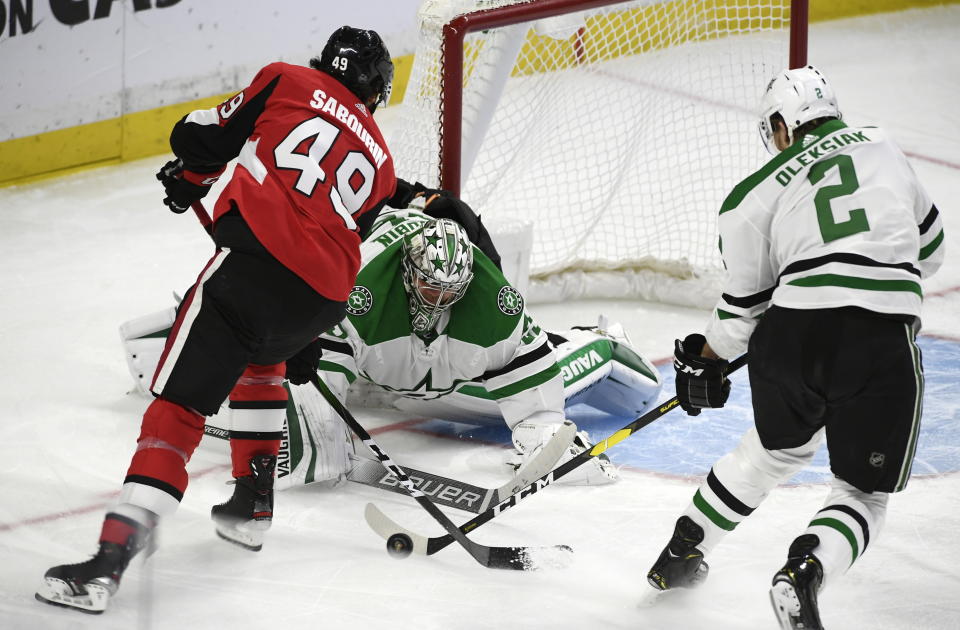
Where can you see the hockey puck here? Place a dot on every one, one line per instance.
(399, 546)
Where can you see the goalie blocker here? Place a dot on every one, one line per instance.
(601, 373)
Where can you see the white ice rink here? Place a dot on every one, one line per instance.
(83, 253)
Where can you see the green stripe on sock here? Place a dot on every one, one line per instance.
(715, 517)
(843, 529)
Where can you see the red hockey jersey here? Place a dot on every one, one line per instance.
(311, 161)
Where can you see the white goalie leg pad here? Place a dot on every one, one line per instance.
(848, 523)
(529, 437)
(316, 444)
(742, 479)
(602, 370)
(143, 339)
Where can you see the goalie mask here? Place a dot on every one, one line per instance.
(437, 265)
(799, 96)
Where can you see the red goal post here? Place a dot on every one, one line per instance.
(626, 181)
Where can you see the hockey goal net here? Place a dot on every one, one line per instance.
(614, 127)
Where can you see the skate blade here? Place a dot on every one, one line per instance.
(249, 537)
(786, 605)
(57, 593)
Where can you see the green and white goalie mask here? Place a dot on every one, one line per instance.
(437, 266)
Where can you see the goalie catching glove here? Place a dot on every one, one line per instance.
(702, 382)
(184, 187)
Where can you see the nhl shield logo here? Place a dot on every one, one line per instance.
(359, 301)
(509, 301)
(877, 459)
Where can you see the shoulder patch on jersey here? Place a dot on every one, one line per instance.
(509, 300)
(359, 301)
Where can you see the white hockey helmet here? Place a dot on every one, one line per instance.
(437, 265)
(799, 96)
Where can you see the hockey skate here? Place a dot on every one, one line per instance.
(88, 586)
(795, 587)
(248, 514)
(681, 563)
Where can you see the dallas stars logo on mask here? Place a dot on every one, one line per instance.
(438, 252)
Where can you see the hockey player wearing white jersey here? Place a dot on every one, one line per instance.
(434, 322)
(828, 243)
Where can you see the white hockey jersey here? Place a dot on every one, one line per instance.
(838, 219)
(485, 337)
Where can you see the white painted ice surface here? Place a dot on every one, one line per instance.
(84, 253)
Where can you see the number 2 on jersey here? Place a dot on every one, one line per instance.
(345, 199)
(830, 228)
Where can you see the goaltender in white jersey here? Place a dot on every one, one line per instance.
(434, 322)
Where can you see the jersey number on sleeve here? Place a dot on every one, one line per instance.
(830, 228)
(345, 198)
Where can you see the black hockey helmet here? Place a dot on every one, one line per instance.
(359, 59)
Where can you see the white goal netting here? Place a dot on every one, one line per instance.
(616, 131)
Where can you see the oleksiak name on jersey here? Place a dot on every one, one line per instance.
(838, 219)
(485, 337)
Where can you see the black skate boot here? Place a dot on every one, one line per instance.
(249, 513)
(795, 587)
(681, 564)
(88, 586)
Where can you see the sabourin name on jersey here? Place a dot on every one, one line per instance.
(817, 151)
(341, 112)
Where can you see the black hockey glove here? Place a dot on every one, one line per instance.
(702, 383)
(407, 192)
(184, 187)
(302, 365)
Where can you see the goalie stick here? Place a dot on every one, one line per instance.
(518, 558)
(384, 526)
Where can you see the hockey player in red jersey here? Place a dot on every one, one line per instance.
(312, 173)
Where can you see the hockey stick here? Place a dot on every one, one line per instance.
(459, 494)
(447, 491)
(203, 217)
(519, 558)
(386, 527)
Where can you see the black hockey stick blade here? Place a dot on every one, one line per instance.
(385, 526)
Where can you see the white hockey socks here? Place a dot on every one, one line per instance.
(740, 481)
(849, 521)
